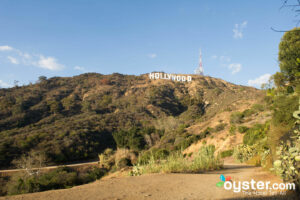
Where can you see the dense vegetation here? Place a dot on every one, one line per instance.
(276, 145)
(59, 178)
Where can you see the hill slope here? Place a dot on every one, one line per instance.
(74, 118)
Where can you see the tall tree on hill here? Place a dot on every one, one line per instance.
(289, 60)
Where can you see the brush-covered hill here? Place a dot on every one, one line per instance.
(76, 118)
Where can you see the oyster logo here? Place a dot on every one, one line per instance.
(254, 187)
(173, 77)
(223, 179)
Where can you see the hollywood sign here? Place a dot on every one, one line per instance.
(172, 77)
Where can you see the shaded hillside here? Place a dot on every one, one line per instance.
(76, 118)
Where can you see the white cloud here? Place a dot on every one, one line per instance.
(5, 48)
(25, 55)
(235, 67)
(4, 85)
(152, 55)
(221, 58)
(79, 68)
(49, 63)
(13, 60)
(225, 59)
(260, 80)
(38, 60)
(238, 30)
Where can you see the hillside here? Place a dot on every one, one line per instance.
(76, 118)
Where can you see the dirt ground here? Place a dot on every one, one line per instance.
(163, 186)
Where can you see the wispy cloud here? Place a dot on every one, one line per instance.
(238, 30)
(13, 60)
(6, 48)
(4, 85)
(235, 67)
(17, 57)
(49, 63)
(152, 55)
(79, 68)
(225, 62)
(260, 80)
(221, 58)
(225, 59)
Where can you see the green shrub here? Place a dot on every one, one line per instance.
(258, 107)
(181, 128)
(220, 127)
(236, 117)
(154, 154)
(131, 138)
(232, 129)
(227, 153)
(256, 133)
(64, 177)
(176, 162)
(244, 152)
(192, 139)
(288, 163)
(123, 162)
(248, 112)
(161, 154)
(242, 129)
(283, 108)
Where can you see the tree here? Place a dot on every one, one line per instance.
(42, 79)
(16, 83)
(86, 106)
(55, 106)
(69, 103)
(31, 163)
(289, 55)
(279, 79)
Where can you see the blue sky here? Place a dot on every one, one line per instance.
(70, 37)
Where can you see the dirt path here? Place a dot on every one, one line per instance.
(159, 186)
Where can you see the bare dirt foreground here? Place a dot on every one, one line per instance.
(164, 186)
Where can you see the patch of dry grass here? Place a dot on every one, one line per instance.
(203, 160)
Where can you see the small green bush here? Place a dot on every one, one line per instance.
(236, 117)
(258, 107)
(254, 134)
(132, 138)
(243, 152)
(155, 154)
(220, 127)
(242, 129)
(232, 129)
(226, 153)
(124, 162)
(248, 112)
